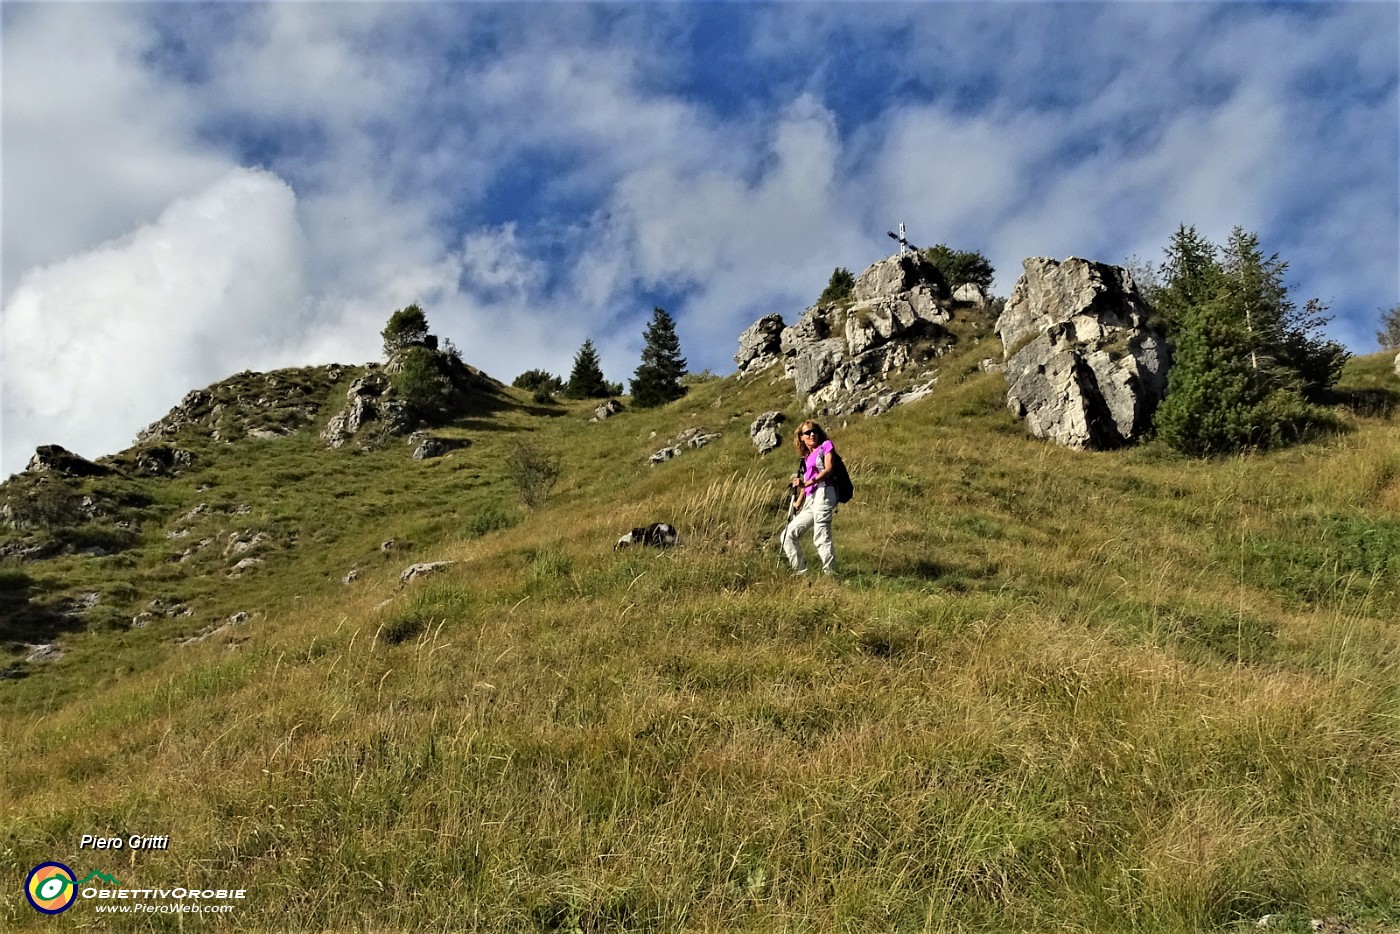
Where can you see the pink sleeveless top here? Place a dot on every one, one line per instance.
(813, 464)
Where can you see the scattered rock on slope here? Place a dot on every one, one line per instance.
(764, 431)
(690, 438)
(424, 569)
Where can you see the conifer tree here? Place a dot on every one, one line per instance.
(586, 380)
(658, 378)
(1246, 361)
(1191, 272)
(838, 287)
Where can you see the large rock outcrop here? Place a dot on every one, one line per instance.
(376, 410)
(1085, 365)
(852, 356)
(368, 400)
(760, 346)
(56, 459)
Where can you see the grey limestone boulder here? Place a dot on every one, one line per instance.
(426, 446)
(360, 408)
(606, 410)
(687, 440)
(163, 461)
(970, 292)
(43, 653)
(240, 618)
(760, 346)
(242, 567)
(424, 569)
(1085, 366)
(764, 431)
(902, 272)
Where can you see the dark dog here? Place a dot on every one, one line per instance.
(657, 535)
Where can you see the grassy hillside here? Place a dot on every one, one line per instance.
(1050, 690)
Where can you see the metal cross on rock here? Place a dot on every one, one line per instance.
(904, 245)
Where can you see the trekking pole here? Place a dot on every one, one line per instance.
(791, 501)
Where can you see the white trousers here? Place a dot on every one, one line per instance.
(816, 514)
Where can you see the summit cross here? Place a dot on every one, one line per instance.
(904, 245)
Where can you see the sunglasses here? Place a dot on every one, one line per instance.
(809, 432)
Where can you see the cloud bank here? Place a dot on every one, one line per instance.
(194, 190)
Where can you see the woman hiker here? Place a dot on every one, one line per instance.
(816, 499)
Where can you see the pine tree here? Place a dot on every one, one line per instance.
(838, 287)
(1191, 272)
(586, 380)
(1246, 361)
(658, 378)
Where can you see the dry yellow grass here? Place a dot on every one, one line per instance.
(1053, 691)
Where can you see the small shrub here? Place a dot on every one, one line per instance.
(422, 384)
(961, 267)
(491, 517)
(695, 379)
(533, 472)
(437, 604)
(551, 572)
(1389, 334)
(549, 564)
(15, 581)
(107, 618)
(47, 505)
(1223, 635)
(403, 627)
(539, 382)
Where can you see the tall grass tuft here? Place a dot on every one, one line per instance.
(730, 513)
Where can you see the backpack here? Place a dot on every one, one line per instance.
(840, 478)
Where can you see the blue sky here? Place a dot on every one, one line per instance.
(191, 190)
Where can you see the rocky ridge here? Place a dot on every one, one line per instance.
(866, 354)
(258, 406)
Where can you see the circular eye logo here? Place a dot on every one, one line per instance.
(50, 888)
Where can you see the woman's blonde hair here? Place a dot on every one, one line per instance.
(797, 437)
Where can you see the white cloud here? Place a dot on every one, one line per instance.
(404, 132)
(108, 340)
(93, 143)
(496, 260)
